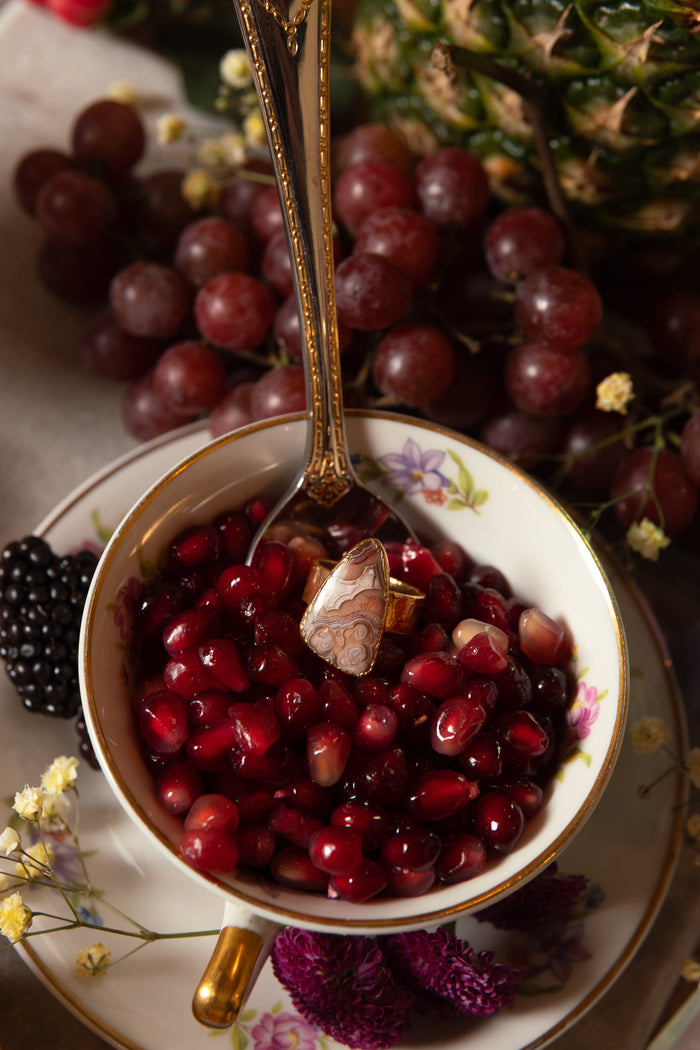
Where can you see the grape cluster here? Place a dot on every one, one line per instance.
(449, 307)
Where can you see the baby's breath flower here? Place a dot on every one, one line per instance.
(29, 803)
(693, 766)
(36, 861)
(690, 971)
(94, 960)
(692, 826)
(648, 734)
(55, 808)
(169, 128)
(10, 842)
(228, 151)
(254, 129)
(614, 393)
(122, 91)
(15, 917)
(646, 539)
(60, 776)
(234, 68)
(200, 188)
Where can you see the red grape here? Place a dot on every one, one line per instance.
(149, 300)
(522, 240)
(654, 484)
(414, 363)
(371, 292)
(558, 306)
(452, 188)
(545, 380)
(209, 247)
(234, 311)
(406, 237)
(189, 378)
(110, 136)
(367, 186)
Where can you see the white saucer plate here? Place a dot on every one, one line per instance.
(144, 1002)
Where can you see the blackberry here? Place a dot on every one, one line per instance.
(42, 595)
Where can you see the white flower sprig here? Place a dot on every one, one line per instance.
(28, 858)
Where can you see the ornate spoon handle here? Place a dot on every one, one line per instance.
(290, 63)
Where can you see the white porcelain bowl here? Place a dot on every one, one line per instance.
(448, 486)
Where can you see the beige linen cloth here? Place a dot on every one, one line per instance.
(58, 425)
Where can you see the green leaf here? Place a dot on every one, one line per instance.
(370, 470)
(480, 497)
(103, 532)
(248, 1015)
(277, 1008)
(455, 504)
(466, 481)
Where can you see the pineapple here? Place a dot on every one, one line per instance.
(620, 80)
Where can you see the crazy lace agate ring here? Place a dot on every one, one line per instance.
(351, 603)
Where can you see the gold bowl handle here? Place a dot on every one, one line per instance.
(237, 959)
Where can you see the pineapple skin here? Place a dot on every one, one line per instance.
(621, 80)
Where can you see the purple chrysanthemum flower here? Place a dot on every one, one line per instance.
(343, 985)
(446, 978)
(548, 898)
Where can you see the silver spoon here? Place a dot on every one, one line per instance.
(289, 57)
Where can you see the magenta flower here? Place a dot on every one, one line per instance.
(562, 946)
(548, 898)
(446, 978)
(344, 986)
(283, 1032)
(412, 470)
(584, 710)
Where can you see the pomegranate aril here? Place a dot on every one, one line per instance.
(338, 705)
(521, 732)
(255, 729)
(207, 747)
(443, 601)
(212, 811)
(157, 605)
(209, 850)
(439, 793)
(187, 630)
(526, 792)
(195, 546)
(462, 856)
(549, 690)
(513, 685)
(256, 845)
(277, 767)
(419, 564)
(490, 606)
(276, 567)
(485, 653)
(371, 690)
(292, 866)
(376, 728)
(542, 639)
(454, 724)
(405, 882)
(253, 801)
(415, 848)
(365, 882)
(297, 706)
(163, 722)
(437, 674)
(235, 535)
(328, 749)
(336, 849)
(304, 794)
(278, 628)
(238, 582)
(433, 638)
(498, 820)
(178, 786)
(371, 823)
(294, 825)
(481, 757)
(269, 665)
(220, 657)
(415, 711)
(383, 779)
(207, 708)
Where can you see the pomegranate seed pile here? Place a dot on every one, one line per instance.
(412, 776)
